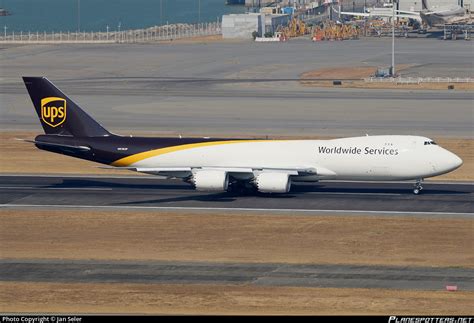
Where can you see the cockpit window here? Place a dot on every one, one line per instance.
(431, 142)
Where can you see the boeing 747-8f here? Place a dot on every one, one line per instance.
(269, 166)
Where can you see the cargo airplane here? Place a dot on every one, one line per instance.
(268, 166)
(429, 15)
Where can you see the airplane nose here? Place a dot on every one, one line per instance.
(456, 161)
(453, 162)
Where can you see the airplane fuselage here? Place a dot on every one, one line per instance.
(355, 158)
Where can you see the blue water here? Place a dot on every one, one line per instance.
(95, 15)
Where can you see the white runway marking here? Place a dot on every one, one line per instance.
(58, 188)
(184, 208)
(110, 189)
(355, 193)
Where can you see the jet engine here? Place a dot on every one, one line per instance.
(273, 182)
(210, 180)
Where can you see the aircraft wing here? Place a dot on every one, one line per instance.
(413, 13)
(187, 171)
(398, 15)
(357, 14)
(409, 16)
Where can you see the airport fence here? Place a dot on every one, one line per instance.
(418, 80)
(152, 34)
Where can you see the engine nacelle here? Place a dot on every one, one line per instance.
(273, 182)
(210, 180)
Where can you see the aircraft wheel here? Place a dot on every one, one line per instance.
(241, 188)
(418, 187)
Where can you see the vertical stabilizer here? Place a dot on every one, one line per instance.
(58, 114)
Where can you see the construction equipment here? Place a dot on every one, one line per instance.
(330, 30)
(295, 28)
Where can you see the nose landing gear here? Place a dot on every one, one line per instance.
(417, 188)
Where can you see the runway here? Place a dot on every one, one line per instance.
(156, 272)
(390, 199)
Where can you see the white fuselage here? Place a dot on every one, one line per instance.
(356, 158)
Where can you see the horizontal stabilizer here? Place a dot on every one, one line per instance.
(43, 143)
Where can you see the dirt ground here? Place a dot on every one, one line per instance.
(118, 235)
(199, 39)
(202, 39)
(340, 73)
(26, 158)
(349, 77)
(225, 299)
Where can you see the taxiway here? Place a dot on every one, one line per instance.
(155, 272)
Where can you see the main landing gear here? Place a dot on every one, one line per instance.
(417, 188)
(242, 187)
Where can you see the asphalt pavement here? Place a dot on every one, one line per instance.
(243, 88)
(156, 272)
(148, 192)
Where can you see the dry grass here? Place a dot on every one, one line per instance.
(225, 299)
(404, 241)
(24, 158)
(210, 38)
(339, 73)
(348, 76)
(390, 85)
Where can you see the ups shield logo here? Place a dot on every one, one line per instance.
(53, 111)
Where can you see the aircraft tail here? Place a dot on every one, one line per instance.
(58, 114)
(425, 5)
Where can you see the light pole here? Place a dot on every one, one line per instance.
(199, 11)
(393, 39)
(5, 32)
(161, 12)
(107, 32)
(119, 34)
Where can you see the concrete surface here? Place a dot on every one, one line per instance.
(243, 87)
